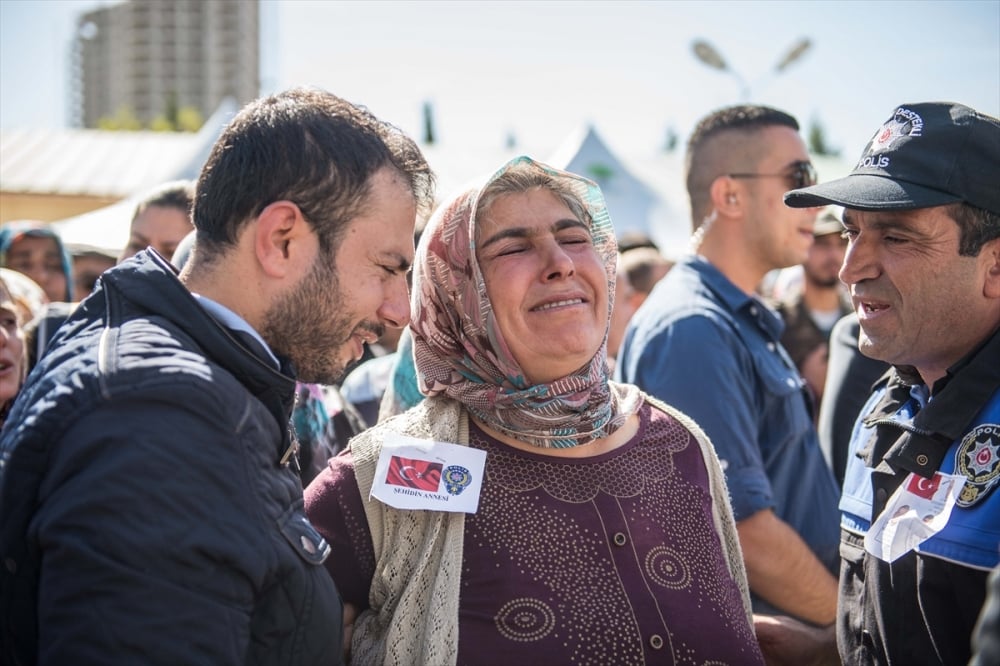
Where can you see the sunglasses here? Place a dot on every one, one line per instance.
(801, 174)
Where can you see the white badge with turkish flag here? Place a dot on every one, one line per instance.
(918, 510)
(423, 474)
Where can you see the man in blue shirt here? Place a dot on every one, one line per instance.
(704, 342)
(920, 511)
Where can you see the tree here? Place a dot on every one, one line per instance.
(670, 143)
(817, 140)
(124, 119)
(174, 119)
(428, 124)
(171, 111)
(600, 172)
(189, 119)
(161, 124)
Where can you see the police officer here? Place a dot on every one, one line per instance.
(920, 515)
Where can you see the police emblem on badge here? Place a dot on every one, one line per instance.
(904, 124)
(456, 479)
(978, 459)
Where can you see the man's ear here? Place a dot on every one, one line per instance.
(280, 238)
(990, 254)
(727, 196)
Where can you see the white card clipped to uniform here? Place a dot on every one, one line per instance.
(918, 510)
(421, 474)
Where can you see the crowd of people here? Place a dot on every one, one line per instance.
(260, 437)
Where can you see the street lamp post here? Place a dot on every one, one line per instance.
(710, 56)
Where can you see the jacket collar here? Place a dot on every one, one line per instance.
(150, 283)
(957, 398)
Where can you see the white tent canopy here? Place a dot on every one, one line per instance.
(630, 201)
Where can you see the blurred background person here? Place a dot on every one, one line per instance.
(644, 267)
(161, 220)
(88, 264)
(850, 379)
(813, 305)
(402, 391)
(631, 240)
(13, 355)
(30, 297)
(640, 267)
(37, 252)
(365, 385)
(986, 637)
(621, 313)
(324, 423)
(32, 248)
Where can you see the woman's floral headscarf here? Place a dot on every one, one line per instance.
(460, 351)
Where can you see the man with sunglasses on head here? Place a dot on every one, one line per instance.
(706, 343)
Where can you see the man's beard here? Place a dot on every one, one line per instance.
(823, 282)
(828, 283)
(308, 328)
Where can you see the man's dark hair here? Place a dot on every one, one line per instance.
(709, 157)
(177, 194)
(306, 146)
(976, 227)
(742, 117)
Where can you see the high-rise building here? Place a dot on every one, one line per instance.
(150, 58)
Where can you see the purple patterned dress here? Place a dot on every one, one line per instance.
(612, 559)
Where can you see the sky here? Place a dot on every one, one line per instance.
(537, 70)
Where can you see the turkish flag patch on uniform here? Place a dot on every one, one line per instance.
(924, 487)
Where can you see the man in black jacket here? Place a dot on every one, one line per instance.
(150, 506)
(920, 515)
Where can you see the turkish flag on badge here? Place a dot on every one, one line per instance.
(413, 473)
(923, 487)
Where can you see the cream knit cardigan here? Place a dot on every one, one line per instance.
(413, 614)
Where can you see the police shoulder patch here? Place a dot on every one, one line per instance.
(978, 459)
